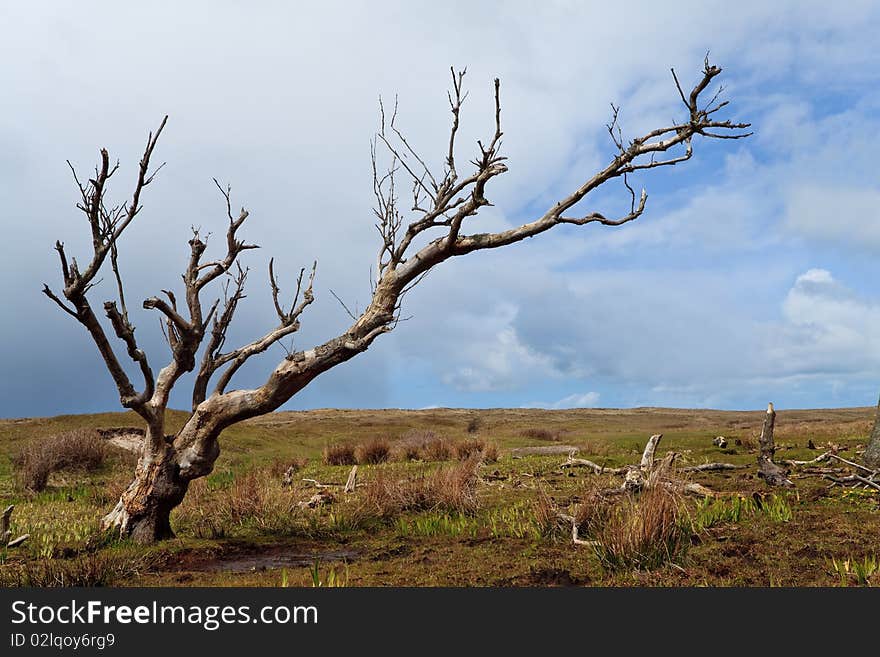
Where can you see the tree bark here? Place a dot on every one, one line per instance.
(162, 478)
(871, 456)
(768, 470)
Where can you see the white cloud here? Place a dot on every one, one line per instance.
(827, 329)
(844, 214)
(493, 357)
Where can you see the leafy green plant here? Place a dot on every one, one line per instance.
(333, 578)
(711, 512)
(437, 524)
(852, 569)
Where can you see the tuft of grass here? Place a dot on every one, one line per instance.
(640, 532)
(103, 568)
(332, 579)
(81, 450)
(851, 569)
(449, 488)
(373, 452)
(339, 454)
(252, 501)
(536, 433)
(475, 448)
(545, 514)
(406, 452)
(777, 508)
(437, 449)
(711, 512)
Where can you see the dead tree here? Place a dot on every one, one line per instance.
(415, 236)
(871, 457)
(768, 470)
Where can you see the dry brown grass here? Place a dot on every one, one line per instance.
(104, 568)
(373, 451)
(541, 434)
(279, 467)
(81, 450)
(746, 442)
(636, 532)
(475, 448)
(255, 499)
(405, 452)
(447, 488)
(339, 454)
(490, 452)
(437, 449)
(546, 513)
(411, 445)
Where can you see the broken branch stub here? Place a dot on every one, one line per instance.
(769, 471)
(6, 532)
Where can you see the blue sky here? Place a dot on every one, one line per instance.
(750, 277)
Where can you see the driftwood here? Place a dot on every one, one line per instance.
(6, 532)
(648, 473)
(320, 498)
(819, 459)
(769, 471)
(863, 477)
(854, 479)
(543, 450)
(347, 487)
(710, 467)
(574, 530)
(572, 462)
(352, 480)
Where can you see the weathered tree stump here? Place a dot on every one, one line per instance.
(768, 470)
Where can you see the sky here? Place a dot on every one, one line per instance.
(749, 278)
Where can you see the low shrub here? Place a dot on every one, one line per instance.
(637, 532)
(450, 488)
(81, 450)
(475, 448)
(253, 500)
(339, 454)
(541, 434)
(374, 451)
(437, 449)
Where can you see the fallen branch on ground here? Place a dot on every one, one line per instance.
(709, 467)
(646, 473)
(6, 533)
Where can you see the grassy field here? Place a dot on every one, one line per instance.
(242, 527)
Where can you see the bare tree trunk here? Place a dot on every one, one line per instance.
(768, 470)
(871, 457)
(144, 509)
(161, 481)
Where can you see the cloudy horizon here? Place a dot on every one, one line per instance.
(746, 280)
